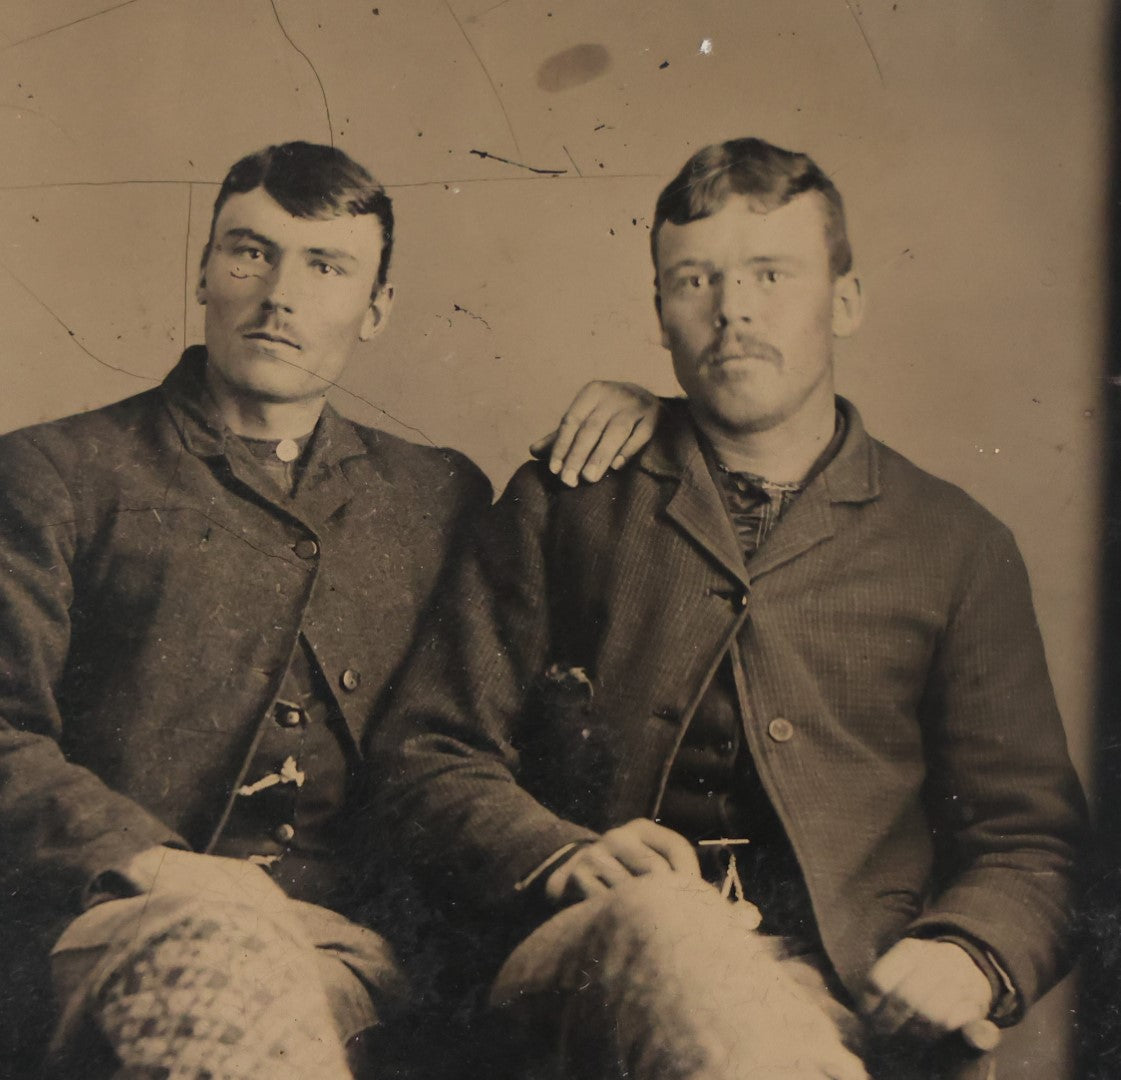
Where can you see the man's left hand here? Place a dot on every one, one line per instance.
(930, 988)
(606, 424)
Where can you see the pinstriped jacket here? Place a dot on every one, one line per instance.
(891, 682)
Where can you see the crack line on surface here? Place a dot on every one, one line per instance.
(73, 334)
(471, 314)
(307, 60)
(358, 397)
(66, 26)
(99, 183)
(41, 115)
(562, 175)
(871, 51)
(486, 72)
(519, 164)
(572, 159)
(186, 264)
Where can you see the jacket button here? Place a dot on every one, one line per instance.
(350, 679)
(780, 729)
(306, 549)
(283, 834)
(742, 600)
(287, 717)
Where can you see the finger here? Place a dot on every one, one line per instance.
(612, 439)
(583, 883)
(672, 846)
(890, 1015)
(583, 443)
(957, 1016)
(538, 449)
(604, 865)
(583, 404)
(846, 1066)
(569, 426)
(641, 434)
(639, 858)
(982, 1035)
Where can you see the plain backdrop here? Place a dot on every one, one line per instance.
(967, 136)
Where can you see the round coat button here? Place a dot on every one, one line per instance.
(283, 834)
(306, 549)
(350, 679)
(289, 717)
(780, 729)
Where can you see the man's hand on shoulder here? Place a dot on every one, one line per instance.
(635, 849)
(930, 988)
(606, 424)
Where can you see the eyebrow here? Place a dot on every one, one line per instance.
(755, 260)
(248, 234)
(337, 254)
(686, 264)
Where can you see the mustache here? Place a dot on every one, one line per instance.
(736, 346)
(266, 330)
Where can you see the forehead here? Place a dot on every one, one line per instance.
(739, 231)
(256, 211)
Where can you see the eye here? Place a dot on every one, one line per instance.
(770, 276)
(695, 283)
(326, 269)
(249, 252)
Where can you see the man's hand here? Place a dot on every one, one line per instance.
(605, 425)
(640, 847)
(929, 987)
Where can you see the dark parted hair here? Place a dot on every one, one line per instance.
(311, 181)
(767, 174)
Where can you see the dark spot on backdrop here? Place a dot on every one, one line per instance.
(573, 67)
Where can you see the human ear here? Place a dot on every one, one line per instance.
(200, 288)
(661, 323)
(848, 305)
(377, 312)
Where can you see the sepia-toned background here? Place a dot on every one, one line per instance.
(968, 137)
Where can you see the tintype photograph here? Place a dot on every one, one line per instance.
(559, 539)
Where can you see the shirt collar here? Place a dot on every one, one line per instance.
(850, 475)
(206, 435)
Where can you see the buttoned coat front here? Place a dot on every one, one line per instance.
(891, 680)
(153, 583)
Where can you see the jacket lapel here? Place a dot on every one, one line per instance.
(851, 477)
(698, 510)
(322, 489)
(695, 506)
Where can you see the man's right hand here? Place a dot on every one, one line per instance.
(635, 849)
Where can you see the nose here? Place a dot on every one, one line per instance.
(734, 301)
(282, 287)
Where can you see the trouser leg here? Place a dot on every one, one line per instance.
(192, 987)
(662, 979)
(188, 988)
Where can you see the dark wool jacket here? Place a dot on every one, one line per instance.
(890, 674)
(152, 587)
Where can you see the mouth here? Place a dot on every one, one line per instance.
(268, 338)
(743, 352)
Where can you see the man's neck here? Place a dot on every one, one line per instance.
(783, 454)
(256, 419)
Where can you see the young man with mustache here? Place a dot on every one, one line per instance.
(770, 661)
(207, 590)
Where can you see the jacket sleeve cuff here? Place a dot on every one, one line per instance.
(535, 880)
(133, 877)
(1006, 1006)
